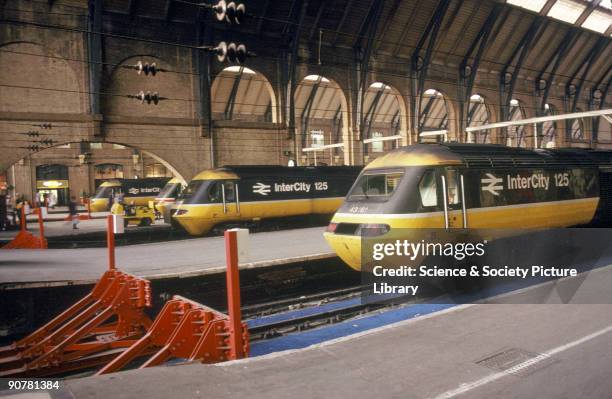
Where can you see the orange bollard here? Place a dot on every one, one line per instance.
(41, 227)
(110, 240)
(233, 295)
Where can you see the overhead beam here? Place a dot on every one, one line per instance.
(542, 119)
(315, 24)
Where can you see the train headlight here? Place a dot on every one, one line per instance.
(331, 228)
(372, 230)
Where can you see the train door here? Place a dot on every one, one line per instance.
(455, 216)
(231, 199)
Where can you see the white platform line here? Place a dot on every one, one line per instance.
(466, 387)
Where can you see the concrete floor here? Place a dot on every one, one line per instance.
(436, 356)
(155, 260)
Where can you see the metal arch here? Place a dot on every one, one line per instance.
(169, 10)
(263, 14)
(392, 11)
(315, 24)
(292, 67)
(585, 66)
(305, 116)
(231, 100)
(368, 29)
(425, 113)
(349, 6)
(479, 46)
(369, 116)
(533, 34)
(570, 37)
(94, 53)
(418, 71)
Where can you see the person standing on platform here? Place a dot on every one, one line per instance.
(72, 210)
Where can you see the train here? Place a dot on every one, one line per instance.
(167, 197)
(459, 186)
(245, 195)
(133, 191)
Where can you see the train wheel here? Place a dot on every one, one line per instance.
(145, 222)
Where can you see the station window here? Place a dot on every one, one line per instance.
(377, 146)
(317, 138)
(428, 189)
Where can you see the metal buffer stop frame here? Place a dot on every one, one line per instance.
(109, 326)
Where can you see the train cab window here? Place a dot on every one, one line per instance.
(378, 187)
(214, 192)
(230, 193)
(428, 189)
(452, 187)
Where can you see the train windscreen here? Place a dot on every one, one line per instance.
(170, 190)
(375, 186)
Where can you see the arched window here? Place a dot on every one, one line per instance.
(478, 115)
(240, 93)
(433, 117)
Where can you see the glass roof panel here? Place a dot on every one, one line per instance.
(566, 10)
(533, 5)
(598, 21)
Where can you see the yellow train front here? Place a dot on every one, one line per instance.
(162, 204)
(132, 191)
(471, 186)
(240, 195)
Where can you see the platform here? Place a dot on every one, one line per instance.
(184, 258)
(458, 352)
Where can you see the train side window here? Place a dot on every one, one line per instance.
(428, 189)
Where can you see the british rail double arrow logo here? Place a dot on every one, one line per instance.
(262, 189)
(492, 184)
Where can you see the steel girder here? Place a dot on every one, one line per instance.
(363, 52)
(231, 101)
(419, 65)
(555, 60)
(168, 10)
(298, 17)
(94, 53)
(573, 90)
(468, 71)
(369, 116)
(305, 116)
(204, 34)
(508, 79)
